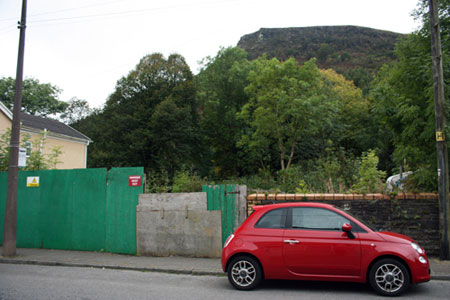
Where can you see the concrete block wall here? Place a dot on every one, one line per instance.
(177, 224)
(415, 215)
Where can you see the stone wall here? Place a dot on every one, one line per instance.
(177, 224)
(415, 215)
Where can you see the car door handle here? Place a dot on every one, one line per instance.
(291, 241)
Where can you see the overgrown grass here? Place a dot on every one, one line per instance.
(324, 175)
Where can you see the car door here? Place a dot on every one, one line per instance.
(267, 237)
(315, 245)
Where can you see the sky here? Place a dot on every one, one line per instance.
(85, 46)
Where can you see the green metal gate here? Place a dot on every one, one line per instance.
(82, 209)
(223, 197)
(121, 205)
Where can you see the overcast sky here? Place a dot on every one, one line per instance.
(85, 46)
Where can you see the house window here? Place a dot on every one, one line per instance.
(29, 146)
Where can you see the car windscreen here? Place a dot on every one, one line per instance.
(361, 221)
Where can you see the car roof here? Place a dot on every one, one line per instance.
(293, 204)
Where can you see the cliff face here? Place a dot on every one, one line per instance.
(339, 47)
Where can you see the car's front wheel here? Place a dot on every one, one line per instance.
(244, 273)
(389, 277)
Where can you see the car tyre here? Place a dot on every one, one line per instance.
(389, 277)
(244, 273)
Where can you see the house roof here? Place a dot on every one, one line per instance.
(51, 125)
(41, 123)
(5, 110)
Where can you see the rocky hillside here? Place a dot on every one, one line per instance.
(343, 48)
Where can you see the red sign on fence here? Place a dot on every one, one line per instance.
(134, 180)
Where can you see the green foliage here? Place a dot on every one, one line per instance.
(334, 173)
(37, 160)
(275, 124)
(157, 182)
(262, 180)
(290, 180)
(150, 120)
(39, 99)
(370, 179)
(345, 56)
(285, 105)
(361, 78)
(76, 110)
(351, 126)
(5, 138)
(185, 182)
(324, 51)
(402, 101)
(302, 187)
(220, 95)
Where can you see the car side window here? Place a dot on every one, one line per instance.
(315, 218)
(273, 219)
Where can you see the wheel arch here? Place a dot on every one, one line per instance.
(245, 254)
(399, 259)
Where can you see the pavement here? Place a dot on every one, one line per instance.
(440, 270)
(66, 258)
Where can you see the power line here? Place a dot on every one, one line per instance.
(66, 10)
(89, 17)
(77, 8)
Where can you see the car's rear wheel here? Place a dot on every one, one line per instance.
(244, 273)
(389, 277)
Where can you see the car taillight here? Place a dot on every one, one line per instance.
(228, 240)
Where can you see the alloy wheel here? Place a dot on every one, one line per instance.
(389, 278)
(243, 273)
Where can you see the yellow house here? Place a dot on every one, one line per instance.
(73, 144)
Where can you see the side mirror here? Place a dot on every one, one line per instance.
(347, 228)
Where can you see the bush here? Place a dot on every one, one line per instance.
(370, 179)
(292, 179)
(37, 160)
(184, 182)
(157, 182)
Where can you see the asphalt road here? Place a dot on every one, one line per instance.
(41, 282)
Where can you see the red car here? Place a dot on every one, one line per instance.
(316, 241)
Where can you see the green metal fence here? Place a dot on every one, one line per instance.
(83, 209)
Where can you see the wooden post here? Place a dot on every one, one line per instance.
(10, 221)
(442, 155)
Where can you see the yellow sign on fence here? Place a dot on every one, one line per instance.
(33, 181)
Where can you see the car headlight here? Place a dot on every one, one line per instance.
(417, 248)
(228, 240)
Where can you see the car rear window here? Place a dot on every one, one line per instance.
(273, 219)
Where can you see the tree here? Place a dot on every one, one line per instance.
(324, 51)
(352, 126)
(361, 77)
(150, 120)
(76, 110)
(286, 104)
(39, 99)
(402, 100)
(220, 94)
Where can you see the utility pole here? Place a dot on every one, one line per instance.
(10, 222)
(442, 155)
